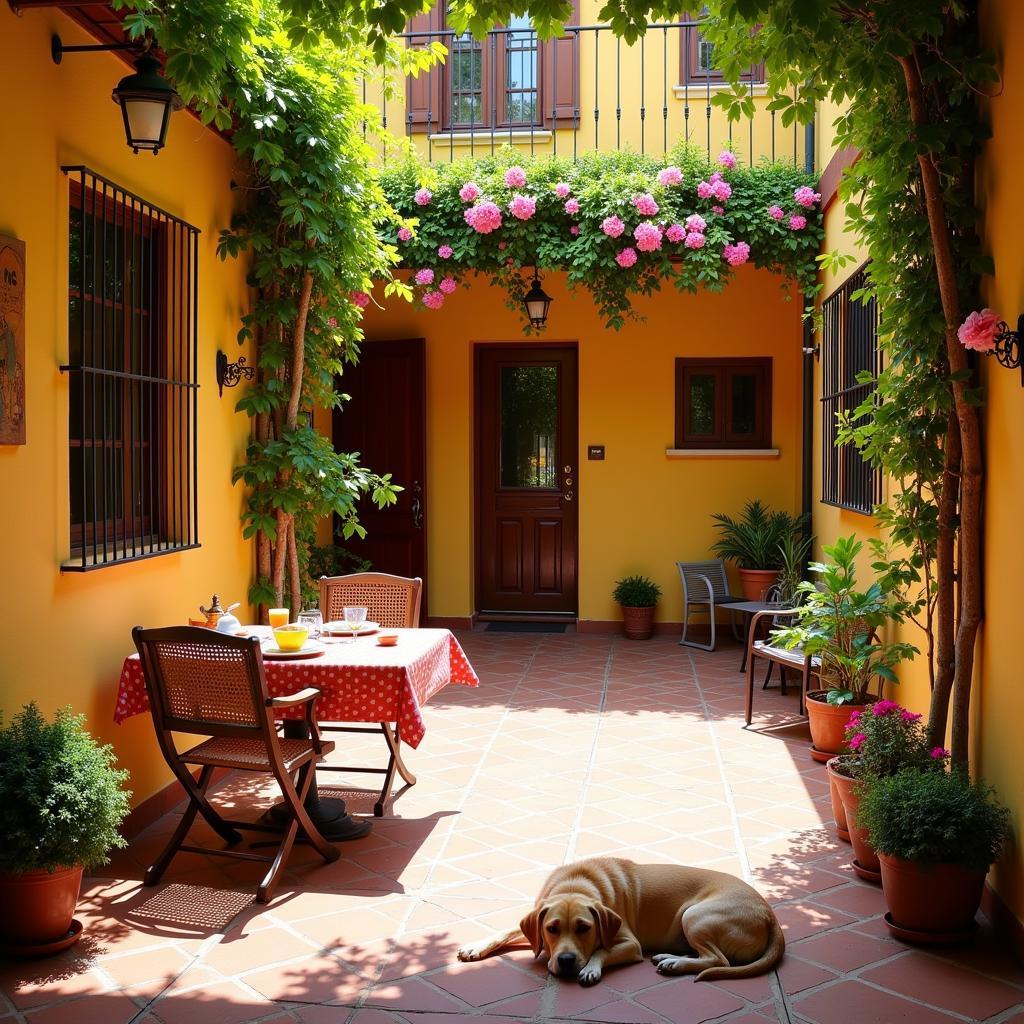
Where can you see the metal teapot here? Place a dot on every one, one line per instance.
(219, 618)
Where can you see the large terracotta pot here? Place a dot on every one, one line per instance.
(838, 810)
(931, 903)
(755, 583)
(638, 623)
(38, 906)
(828, 725)
(865, 860)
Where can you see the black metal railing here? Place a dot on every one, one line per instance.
(132, 321)
(585, 91)
(849, 349)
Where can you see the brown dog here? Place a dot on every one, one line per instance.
(606, 911)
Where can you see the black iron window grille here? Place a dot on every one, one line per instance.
(132, 321)
(849, 368)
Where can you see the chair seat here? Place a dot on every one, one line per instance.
(785, 655)
(251, 755)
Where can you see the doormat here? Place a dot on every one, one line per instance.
(526, 627)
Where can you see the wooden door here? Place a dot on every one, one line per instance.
(386, 420)
(527, 492)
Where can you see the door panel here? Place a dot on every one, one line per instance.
(385, 421)
(526, 437)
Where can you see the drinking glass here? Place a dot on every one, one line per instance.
(277, 617)
(354, 619)
(312, 620)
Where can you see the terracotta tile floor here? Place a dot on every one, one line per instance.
(572, 746)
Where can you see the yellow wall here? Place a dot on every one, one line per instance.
(74, 629)
(639, 511)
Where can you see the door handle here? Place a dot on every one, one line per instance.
(567, 495)
(417, 505)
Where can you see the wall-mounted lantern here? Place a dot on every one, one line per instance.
(537, 303)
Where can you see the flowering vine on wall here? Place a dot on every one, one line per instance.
(618, 224)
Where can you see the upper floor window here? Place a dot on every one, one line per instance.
(723, 403)
(697, 56)
(133, 274)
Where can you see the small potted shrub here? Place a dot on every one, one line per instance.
(936, 834)
(637, 595)
(61, 803)
(838, 625)
(753, 543)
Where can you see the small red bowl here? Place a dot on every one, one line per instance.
(387, 639)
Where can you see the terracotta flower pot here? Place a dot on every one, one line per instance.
(931, 903)
(38, 906)
(865, 860)
(638, 623)
(838, 810)
(828, 725)
(755, 583)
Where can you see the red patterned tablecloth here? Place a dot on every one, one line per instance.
(358, 682)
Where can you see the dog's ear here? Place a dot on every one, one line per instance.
(532, 927)
(608, 924)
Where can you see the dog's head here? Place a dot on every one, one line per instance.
(568, 929)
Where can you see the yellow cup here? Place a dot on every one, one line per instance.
(291, 637)
(278, 616)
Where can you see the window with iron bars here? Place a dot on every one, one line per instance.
(849, 373)
(132, 443)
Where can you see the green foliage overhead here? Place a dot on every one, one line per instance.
(62, 800)
(636, 592)
(760, 538)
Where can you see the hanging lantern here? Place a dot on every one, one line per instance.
(147, 101)
(537, 303)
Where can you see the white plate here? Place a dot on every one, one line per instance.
(308, 650)
(340, 629)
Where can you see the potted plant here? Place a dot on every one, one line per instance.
(794, 553)
(637, 595)
(61, 803)
(838, 626)
(752, 542)
(883, 740)
(936, 834)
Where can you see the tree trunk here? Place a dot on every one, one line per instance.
(281, 555)
(299, 350)
(295, 575)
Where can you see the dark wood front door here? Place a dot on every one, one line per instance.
(527, 492)
(385, 420)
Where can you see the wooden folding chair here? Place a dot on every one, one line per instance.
(208, 684)
(394, 603)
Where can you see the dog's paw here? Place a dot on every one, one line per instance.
(666, 963)
(589, 976)
(469, 954)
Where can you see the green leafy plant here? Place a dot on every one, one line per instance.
(636, 592)
(841, 624)
(62, 800)
(755, 539)
(794, 554)
(329, 560)
(934, 817)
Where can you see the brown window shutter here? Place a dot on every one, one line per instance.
(423, 92)
(560, 76)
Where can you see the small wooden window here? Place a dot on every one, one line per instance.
(697, 63)
(723, 403)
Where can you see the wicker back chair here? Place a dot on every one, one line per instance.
(705, 587)
(391, 601)
(205, 683)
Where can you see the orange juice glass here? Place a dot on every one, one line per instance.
(278, 616)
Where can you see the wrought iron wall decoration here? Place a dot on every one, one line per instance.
(1008, 347)
(229, 374)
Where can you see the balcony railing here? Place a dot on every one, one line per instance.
(584, 91)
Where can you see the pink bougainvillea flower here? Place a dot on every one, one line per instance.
(404, 234)
(648, 236)
(645, 204)
(522, 207)
(503, 246)
(776, 212)
(695, 240)
(445, 252)
(979, 330)
(857, 740)
(937, 753)
(483, 218)
(854, 718)
(718, 209)
(721, 190)
(806, 196)
(562, 189)
(626, 257)
(433, 300)
(448, 285)
(332, 321)
(727, 159)
(705, 190)
(675, 232)
(469, 192)
(909, 716)
(736, 255)
(884, 707)
(423, 196)
(716, 176)
(612, 227)
(695, 222)
(797, 222)
(360, 299)
(670, 176)
(515, 177)
(425, 276)
(574, 230)
(572, 206)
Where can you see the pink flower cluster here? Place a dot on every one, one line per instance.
(448, 285)
(806, 196)
(648, 236)
(423, 196)
(404, 234)
(360, 299)
(572, 207)
(515, 177)
(938, 753)
(433, 300)
(736, 255)
(522, 207)
(716, 187)
(979, 331)
(425, 276)
(574, 230)
(884, 707)
(695, 222)
(562, 190)
(797, 222)
(645, 204)
(483, 218)
(727, 159)
(857, 740)
(612, 226)
(445, 252)
(695, 240)
(626, 257)
(718, 209)
(776, 212)
(469, 192)
(675, 232)
(670, 176)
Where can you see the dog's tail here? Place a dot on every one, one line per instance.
(764, 963)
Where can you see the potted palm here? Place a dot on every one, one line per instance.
(936, 834)
(838, 626)
(753, 542)
(61, 803)
(637, 595)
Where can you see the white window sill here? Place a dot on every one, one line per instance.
(699, 89)
(721, 453)
(482, 137)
